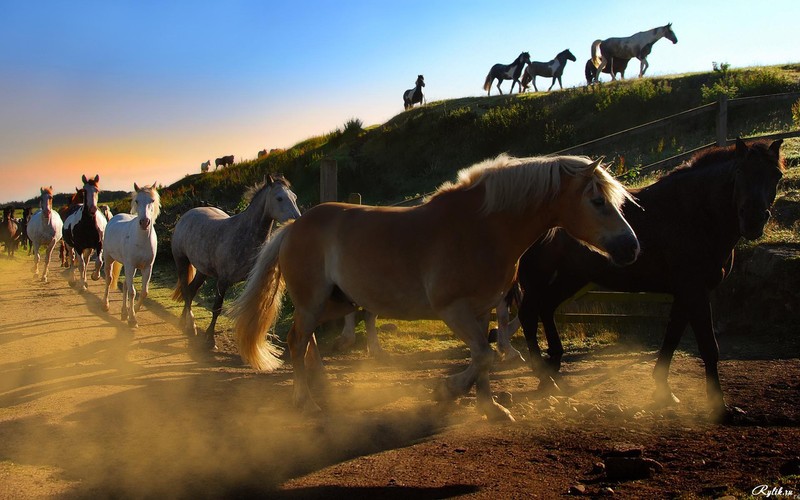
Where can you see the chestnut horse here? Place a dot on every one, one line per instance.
(688, 223)
(452, 258)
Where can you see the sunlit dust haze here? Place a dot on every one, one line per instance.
(143, 91)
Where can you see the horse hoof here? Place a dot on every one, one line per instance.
(665, 397)
(105, 307)
(211, 344)
(496, 412)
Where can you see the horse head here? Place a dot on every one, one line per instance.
(420, 81)
(759, 168)
(91, 190)
(568, 55)
(524, 58)
(46, 201)
(145, 204)
(669, 34)
(281, 200)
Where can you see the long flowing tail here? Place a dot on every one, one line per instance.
(177, 294)
(488, 83)
(596, 53)
(116, 267)
(256, 309)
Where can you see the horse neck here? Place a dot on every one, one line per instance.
(256, 217)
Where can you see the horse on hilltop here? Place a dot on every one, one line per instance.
(204, 166)
(507, 72)
(223, 162)
(433, 261)
(415, 95)
(639, 46)
(44, 228)
(208, 242)
(688, 223)
(554, 69)
(129, 241)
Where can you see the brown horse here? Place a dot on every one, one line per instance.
(9, 231)
(452, 258)
(688, 223)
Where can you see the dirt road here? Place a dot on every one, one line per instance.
(91, 409)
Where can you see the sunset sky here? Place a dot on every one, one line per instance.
(146, 90)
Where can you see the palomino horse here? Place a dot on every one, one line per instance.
(223, 162)
(83, 231)
(506, 72)
(208, 242)
(45, 229)
(204, 166)
(554, 69)
(432, 260)
(130, 241)
(639, 46)
(415, 95)
(688, 223)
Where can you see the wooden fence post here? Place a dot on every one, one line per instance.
(328, 181)
(722, 121)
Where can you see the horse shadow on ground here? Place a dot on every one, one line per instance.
(213, 437)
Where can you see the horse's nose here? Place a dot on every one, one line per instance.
(624, 250)
(92, 210)
(144, 224)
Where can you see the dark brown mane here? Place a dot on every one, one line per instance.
(715, 156)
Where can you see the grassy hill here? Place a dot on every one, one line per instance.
(417, 150)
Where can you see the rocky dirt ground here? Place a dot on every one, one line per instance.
(91, 409)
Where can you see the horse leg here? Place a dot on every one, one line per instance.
(130, 294)
(552, 84)
(189, 292)
(643, 66)
(211, 343)
(373, 343)
(473, 332)
(108, 263)
(36, 262)
(98, 261)
(347, 338)
(700, 319)
(147, 273)
(678, 320)
(298, 339)
(504, 333)
(499, 81)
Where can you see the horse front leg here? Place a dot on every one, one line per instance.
(147, 273)
(700, 319)
(129, 296)
(678, 319)
(36, 263)
(643, 65)
(473, 332)
(504, 334)
(298, 339)
(108, 263)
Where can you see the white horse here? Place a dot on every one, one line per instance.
(204, 166)
(208, 242)
(44, 228)
(639, 45)
(130, 241)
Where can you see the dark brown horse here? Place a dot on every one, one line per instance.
(688, 223)
(9, 231)
(65, 252)
(223, 162)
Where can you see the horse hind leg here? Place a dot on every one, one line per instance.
(211, 342)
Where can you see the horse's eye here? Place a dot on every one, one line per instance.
(598, 202)
(280, 199)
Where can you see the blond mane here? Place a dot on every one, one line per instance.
(511, 183)
(156, 200)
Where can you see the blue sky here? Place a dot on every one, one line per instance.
(143, 91)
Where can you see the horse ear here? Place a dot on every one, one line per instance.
(135, 187)
(741, 147)
(77, 190)
(154, 184)
(83, 178)
(775, 147)
(97, 178)
(270, 180)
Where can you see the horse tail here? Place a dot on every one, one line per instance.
(177, 294)
(488, 83)
(116, 267)
(256, 310)
(596, 53)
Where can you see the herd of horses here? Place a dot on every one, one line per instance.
(609, 56)
(556, 223)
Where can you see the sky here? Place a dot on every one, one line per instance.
(146, 90)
